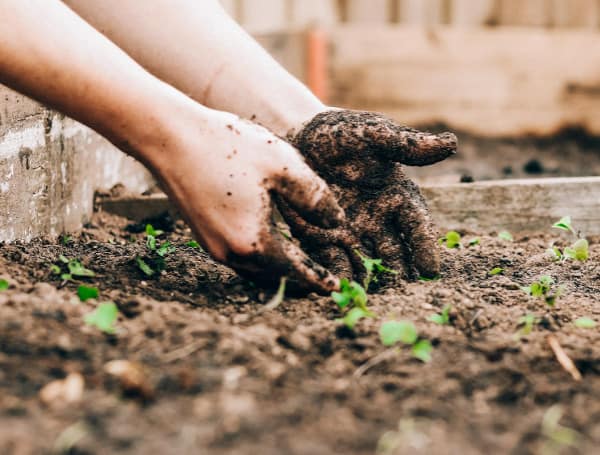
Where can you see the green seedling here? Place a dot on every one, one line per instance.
(451, 240)
(543, 289)
(443, 318)
(578, 251)
(505, 235)
(4, 285)
(87, 292)
(475, 241)
(527, 324)
(394, 332)
(496, 271)
(75, 269)
(143, 266)
(565, 225)
(193, 244)
(585, 323)
(351, 294)
(153, 232)
(155, 260)
(353, 316)
(374, 267)
(66, 239)
(103, 317)
(557, 436)
(279, 296)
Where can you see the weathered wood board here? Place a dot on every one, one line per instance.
(516, 205)
(492, 82)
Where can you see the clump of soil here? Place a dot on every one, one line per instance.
(227, 377)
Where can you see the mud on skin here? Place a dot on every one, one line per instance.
(360, 155)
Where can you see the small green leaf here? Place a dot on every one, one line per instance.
(153, 232)
(4, 285)
(87, 292)
(554, 253)
(373, 267)
(528, 322)
(496, 271)
(63, 259)
(585, 323)
(77, 269)
(422, 350)
(426, 279)
(451, 240)
(392, 332)
(143, 266)
(505, 235)
(151, 242)
(55, 269)
(103, 317)
(66, 277)
(353, 316)
(564, 224)
(475, 241)
(443, 318)
(579, 251)
(350, 293)
(193, 244)
(165, 249)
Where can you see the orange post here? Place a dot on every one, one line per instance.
(317, 63)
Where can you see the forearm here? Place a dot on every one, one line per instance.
(52, 55)
(195, 46)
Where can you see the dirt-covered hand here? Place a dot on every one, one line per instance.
(222, 172)
(360, 156)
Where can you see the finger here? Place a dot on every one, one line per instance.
(417, 148)
(309, 195)
(418, 231)
(393, 254)
(278, 257)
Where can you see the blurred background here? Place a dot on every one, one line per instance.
(519, 80)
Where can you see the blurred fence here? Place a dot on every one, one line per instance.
(278, 15)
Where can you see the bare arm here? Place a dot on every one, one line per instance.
(219, 170)
(195, 46)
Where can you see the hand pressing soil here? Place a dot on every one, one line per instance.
(359, 154)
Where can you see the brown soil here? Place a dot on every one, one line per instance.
(571, 153)
(230, 378)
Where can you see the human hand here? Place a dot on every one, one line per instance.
(359, 154)
(222, 173)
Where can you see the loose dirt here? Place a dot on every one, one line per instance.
(224, 377)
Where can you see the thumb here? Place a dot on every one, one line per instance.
(306, 192)
(417, 148)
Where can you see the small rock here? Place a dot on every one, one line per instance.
(63, 391)
(131, 377)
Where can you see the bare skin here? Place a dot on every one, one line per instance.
(220, 170)
(391, 220)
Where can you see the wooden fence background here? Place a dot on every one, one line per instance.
(278, 15)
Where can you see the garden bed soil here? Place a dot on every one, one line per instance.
(569, 153)
(222, 376)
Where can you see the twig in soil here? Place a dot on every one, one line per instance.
(562, 357)
(183, 352)
(277, 298)
(374, 361)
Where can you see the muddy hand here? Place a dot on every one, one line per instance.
(360, 155)
(223, 172)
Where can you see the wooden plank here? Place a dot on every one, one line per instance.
(526, 12)
(314, 13)
(519, 206)
(368, 11)
(576, 13)
(500, 81)
(470, 13)
(261, 16)
(420, 12)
